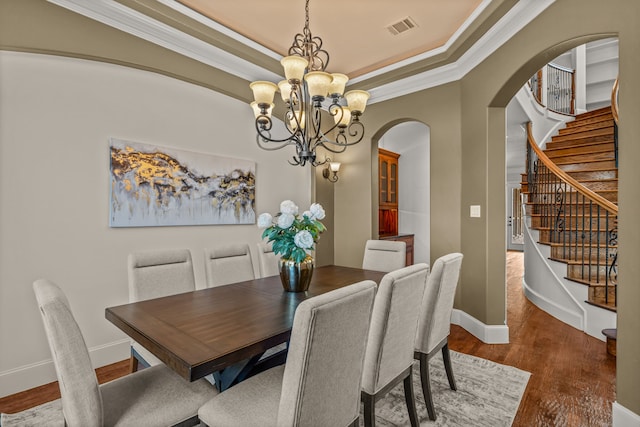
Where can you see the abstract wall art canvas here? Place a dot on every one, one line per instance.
(159, 186)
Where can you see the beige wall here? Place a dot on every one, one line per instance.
(324, 191)
(356, 199)
(628, 364)
(468, 165)
(57, 115)
(467, 153)
(41, 26)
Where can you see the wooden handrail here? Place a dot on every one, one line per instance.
(614, 100)
(596, 198)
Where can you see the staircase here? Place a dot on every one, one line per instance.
(581, 232)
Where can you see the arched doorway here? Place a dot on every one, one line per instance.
(411, 140)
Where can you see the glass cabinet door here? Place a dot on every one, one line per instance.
(384, 181)
(393, 183)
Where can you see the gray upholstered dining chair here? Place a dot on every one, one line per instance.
(320, 383)
(389, 356)
(384, 255)
(154, 274)
(227, 264)
(434, 325)
(151, 397)
(268, 260)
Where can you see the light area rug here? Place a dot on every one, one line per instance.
(488, 395)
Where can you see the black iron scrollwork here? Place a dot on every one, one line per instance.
(612, 242)
(558, 206)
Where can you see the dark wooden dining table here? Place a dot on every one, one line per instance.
(226, 327)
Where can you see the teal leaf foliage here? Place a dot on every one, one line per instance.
(283, 239)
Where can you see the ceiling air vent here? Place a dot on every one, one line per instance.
(401, 26)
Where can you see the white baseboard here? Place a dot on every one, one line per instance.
(622, 417)
(561, 313)
(488, 334)
(40, 373)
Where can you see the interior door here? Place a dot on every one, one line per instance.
(515, 219)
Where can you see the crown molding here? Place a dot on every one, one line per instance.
(198, 17)
(118, 16)
(433, 52)
(511, 23)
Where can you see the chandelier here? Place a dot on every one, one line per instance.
(310, 95)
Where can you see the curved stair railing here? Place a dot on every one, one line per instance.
(614, 113)
(614, 100)
(559, 85)
(580, 225)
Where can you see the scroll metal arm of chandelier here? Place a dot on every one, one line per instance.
(305, 89)
(296, 124)
(346, 135)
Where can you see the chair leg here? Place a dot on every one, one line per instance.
(446, 358)
(369, 410)
(409, 397)
(426, 386)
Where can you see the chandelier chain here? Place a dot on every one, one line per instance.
(307, 104)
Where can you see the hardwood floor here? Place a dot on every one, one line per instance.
(48, 392)
(572, 379)
(572, 376)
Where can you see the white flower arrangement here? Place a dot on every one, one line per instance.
(293, 236)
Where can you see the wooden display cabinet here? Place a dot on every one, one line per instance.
(388, 178)
(387, 192)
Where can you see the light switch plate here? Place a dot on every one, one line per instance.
(474, 211)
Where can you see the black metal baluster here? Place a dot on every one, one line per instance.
(606, 260)
(598, 257)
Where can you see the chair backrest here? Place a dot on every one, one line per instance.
(81, 398)
(154, 274)
(384, 255)
(322, 376)
(437, 303)
(268, 260)
(228, 264)
(393, 326)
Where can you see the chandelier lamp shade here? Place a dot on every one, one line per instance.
(310, 95)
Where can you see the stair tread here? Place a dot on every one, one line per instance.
(578, 171)
(573, 230)
(599, 180)
(604, 130)
(584, 149)
(594, 229)
(566, 203)
(603, 144)
(568, 162)
(587, 126)
(579, 142)
(571, 191)
(596, 112)
(585, 166)
(593, 265)
(606, 307)
(581, 245)
(591, 119)
(589, 283)
(577, 152)
(570, 215)
(574, 262)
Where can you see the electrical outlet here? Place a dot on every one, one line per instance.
(474, 211)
